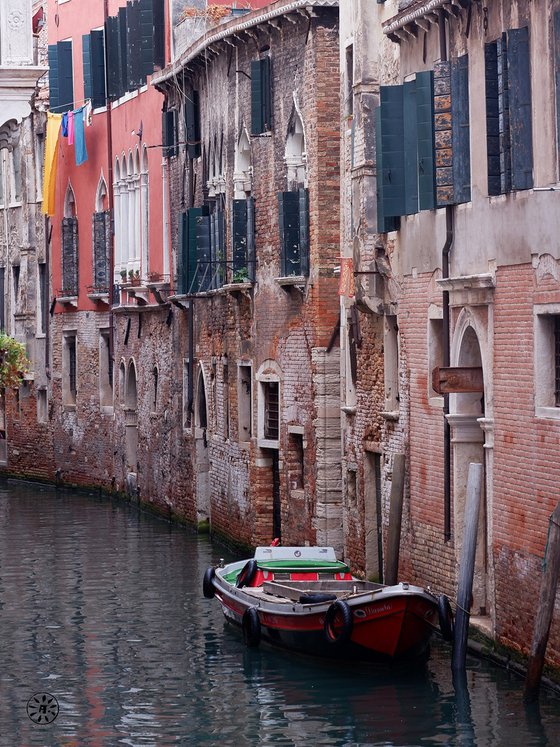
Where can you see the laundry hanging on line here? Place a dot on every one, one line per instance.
(51, 161)
(80, 149)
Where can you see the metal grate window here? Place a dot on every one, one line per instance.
(557, 361)
(271, 411)
(71, 344)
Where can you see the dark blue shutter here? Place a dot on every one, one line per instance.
(146, 37)
(392, 139)
(426, 135)
(461, 129)
(134, 52)
(216, 269)
(492, 118)
(86, 58)
(123, 52)
(304, 231)
(97, 53)
(257, 121)
(519, 71)
(112, 57)
(54, 98)
(182, 254)
(410, 148)
(192, 124)
(158, 9)
(288, 216)
(169, 128)
(504, 115)
(239, 249)
(65, 77)
(557, 75)
(251, 249)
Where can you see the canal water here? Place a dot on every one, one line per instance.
(101, 608)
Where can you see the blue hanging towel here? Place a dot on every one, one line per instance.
(79, 137)
(64, 124)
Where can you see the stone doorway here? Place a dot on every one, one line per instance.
(202, 461)
(467, 420)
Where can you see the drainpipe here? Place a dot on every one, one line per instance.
(445, 252)
(111, 207)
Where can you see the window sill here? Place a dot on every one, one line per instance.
(392, 415)
(68, 301)
(266, 443)
(100, 297)
(181, 300)
(69, 407)
(435, 401)
(550, 413)
(348, 409)
(16, 204)
(106, 409)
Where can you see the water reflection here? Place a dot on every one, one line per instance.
(102, 606)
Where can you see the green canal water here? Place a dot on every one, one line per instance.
(101, 608)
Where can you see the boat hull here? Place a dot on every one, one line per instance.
(394, 623)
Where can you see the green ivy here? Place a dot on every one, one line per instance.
(13, 362)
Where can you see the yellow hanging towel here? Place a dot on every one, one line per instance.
(51, 162)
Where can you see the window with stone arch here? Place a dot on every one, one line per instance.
(144, 212)
(269, 378)
(293, 204)
(295, 155)
(122, 381)
(69, 232)
(243, 172)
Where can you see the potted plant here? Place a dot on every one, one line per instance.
(136, 278)
(123, 276)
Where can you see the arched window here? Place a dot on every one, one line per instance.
(101, 196)
(69, 202)
(69, 242)
(242, 177)
(294, 154)
(144, 210)
(155, 374)
(122, 381)
(131, 389)
(101, 238)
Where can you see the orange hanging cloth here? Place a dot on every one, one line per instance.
(51, 162)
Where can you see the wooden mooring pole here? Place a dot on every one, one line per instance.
(395, 520)
(466, 569)
(543, 620)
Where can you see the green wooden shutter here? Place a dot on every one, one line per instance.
(304, 231)
(266, 80)
(461, 129)
(492, 118)
(557, 75)
(86, 59)
(239, 249)
(384, 223)
(201, 234)
(192, 124)
(410, 143)
(146, 38)
(392, 139)
(97, 55)
(112, 56)
(257, 120)
(158, 9)
(65, 77)
(288, 217)
(426, 136)
(519, 72)
(216, 269)
(251, 249)
(54, 98)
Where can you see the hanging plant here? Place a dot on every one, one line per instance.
(13, 362)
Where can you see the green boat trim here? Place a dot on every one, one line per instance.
(294, 566)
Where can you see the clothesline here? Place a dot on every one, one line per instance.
(69, 103)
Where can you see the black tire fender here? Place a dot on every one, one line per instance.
(208, 583)
(316, 598)
(247, 574)
(445, 617)
(251, 626)
(341, 610)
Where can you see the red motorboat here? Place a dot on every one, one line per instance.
(304, 599)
